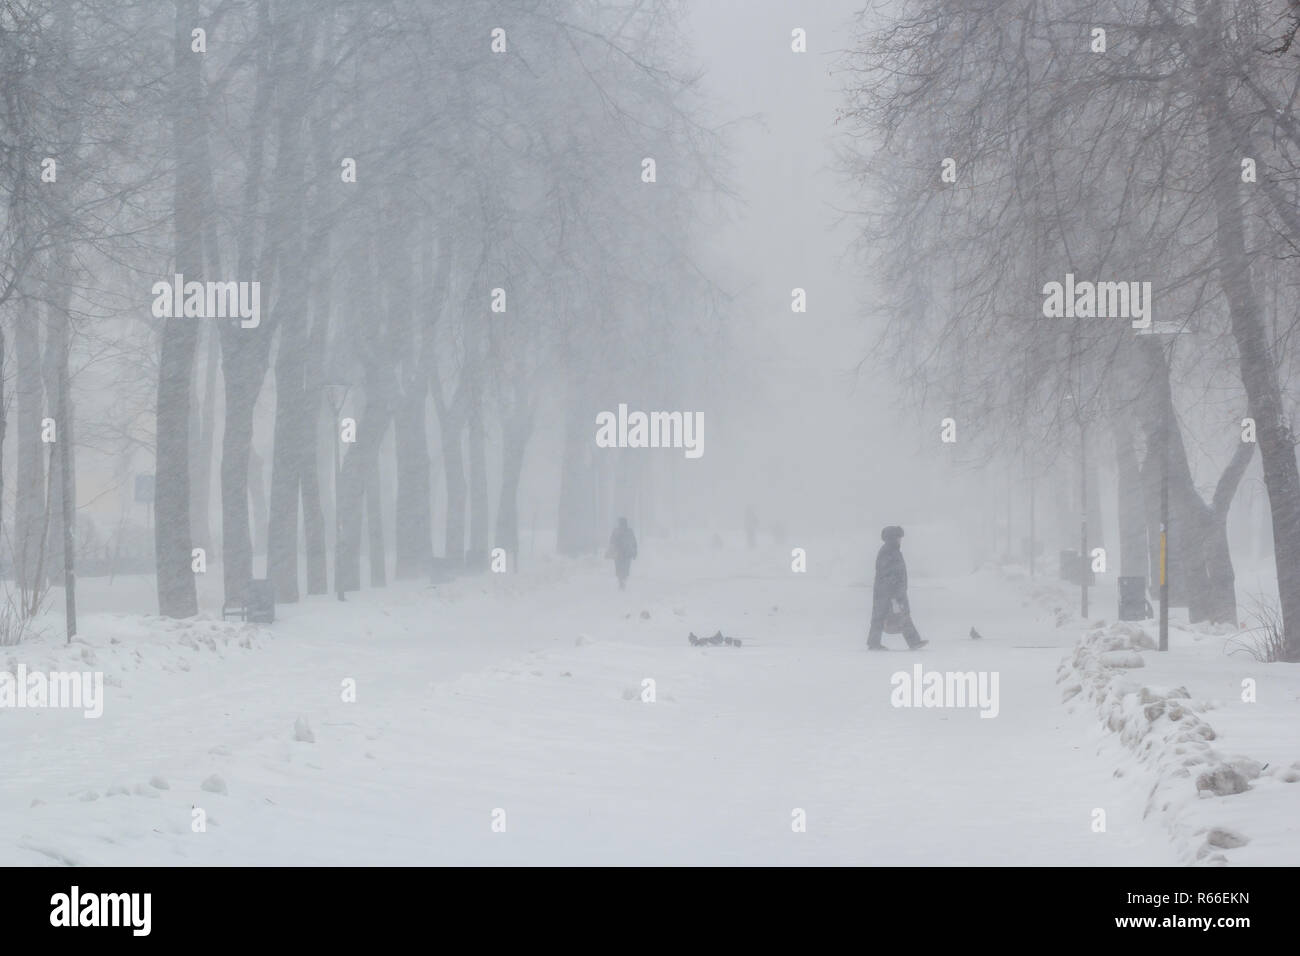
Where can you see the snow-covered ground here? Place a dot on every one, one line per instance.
(1209, 725)
(516, 701)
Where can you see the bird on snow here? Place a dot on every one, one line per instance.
(976, 635)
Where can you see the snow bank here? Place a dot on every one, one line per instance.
(117, 644)
(1167, 731)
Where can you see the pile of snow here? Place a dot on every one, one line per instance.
(117, 644)
(1166, 730)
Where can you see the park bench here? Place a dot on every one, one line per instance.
(257, 606)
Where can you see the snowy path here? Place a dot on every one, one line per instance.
(496, 705)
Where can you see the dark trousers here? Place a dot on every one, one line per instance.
(878, 615)
(621, 567)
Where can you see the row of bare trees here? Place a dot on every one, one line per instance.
(1122, 140)
(448, 214)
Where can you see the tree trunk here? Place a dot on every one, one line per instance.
(258, 501)
(245, 352)
(1188, 514)
(1198, 560)
(205, 443)
(4, 428)
(311, 446)
(67, 489)
(286, 460)
(177, 596)
(236, 466)
(60, 556)
(479, 519)
(313, 514)
(204, 439)
(1277, 444)
(414, 530)
(453, 465)
(413, 534)
(375, 526)
(29, 487)
(55, 371)
(515, 434)
(292, 435)
(1222, 593)
(1132, 518)
(357, 464)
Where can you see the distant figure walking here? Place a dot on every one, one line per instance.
(889, 606)
(622, 548)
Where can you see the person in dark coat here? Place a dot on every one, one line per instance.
(889, 593)
(622, 548)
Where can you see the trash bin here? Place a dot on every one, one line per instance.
(1133, 604)
(261, 601)
(1074, 568)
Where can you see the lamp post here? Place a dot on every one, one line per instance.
(1164, 537)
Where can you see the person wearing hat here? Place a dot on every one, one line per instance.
(889, 593)
(622, 548)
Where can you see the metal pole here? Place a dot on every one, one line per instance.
(1084, 565)
(1033, 546)
(338, 523)
(1164, 537)
(67, 494)
(1011, 541)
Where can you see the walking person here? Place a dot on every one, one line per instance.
(622, 548)
(889, 604)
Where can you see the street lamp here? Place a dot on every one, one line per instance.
(1164, 535)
